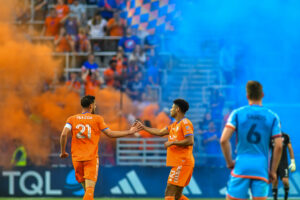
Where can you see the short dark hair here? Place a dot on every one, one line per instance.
(254, 90)
(86, 101)
(182, 104)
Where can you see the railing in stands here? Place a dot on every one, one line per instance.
(141, 151)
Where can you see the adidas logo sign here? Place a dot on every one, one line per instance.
(192, 188)
(129, 185)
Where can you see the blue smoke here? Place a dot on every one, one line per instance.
(267, 35)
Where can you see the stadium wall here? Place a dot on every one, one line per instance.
(118, 182)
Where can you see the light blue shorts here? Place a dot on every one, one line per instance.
(238, 188)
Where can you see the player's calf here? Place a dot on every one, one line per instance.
(179, 195)
(170, 192)
(89, 189)
(286, 185)
(89, 193)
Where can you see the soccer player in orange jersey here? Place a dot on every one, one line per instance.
(179, 150)
(86, 128)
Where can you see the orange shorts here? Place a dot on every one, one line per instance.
(86, 170)
(181, 175)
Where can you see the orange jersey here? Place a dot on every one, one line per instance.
(116, 29)
(86, 129)
(62, 11)
(176, 155)
(109, 73)
(52, 26)
(91, 86)
(64, 44)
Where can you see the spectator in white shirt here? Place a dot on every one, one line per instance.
(97, 26)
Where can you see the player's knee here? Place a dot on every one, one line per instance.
(275, 184)
(285, 182)
(167, 192)
(89, 183)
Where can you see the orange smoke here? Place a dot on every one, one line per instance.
(149, 113)
(29, 115)
(108, 103)
(56, 107)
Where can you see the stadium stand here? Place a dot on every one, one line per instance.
(165, 76)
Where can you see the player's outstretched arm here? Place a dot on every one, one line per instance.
(293, 163)
(154, 131)
(226, 146)
(63, 142)
(116, 134)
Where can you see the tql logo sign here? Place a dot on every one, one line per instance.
(30, 183)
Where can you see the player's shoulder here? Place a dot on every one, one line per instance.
(271, 113)
(186, 121)
(240, 110)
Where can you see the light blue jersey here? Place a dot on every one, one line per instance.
(255, 126)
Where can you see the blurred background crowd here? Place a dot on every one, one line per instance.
(130, 71)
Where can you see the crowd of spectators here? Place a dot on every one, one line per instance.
(209, 129)
(78, 27)
(127, 75)
(81, 25)
(131, 70)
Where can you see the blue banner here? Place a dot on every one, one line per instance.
(118, 182)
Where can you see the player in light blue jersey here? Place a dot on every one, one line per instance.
(254, 126)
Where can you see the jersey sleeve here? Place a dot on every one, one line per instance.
(69, 123)
(276, 130)
(187, 128)
(102, 124)
(288, 141)
(232, 120)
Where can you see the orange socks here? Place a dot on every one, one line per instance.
(169, 198)
(89, 193)
(183, 198)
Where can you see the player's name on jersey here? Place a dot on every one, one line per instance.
(84, 117)
(256, 117)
